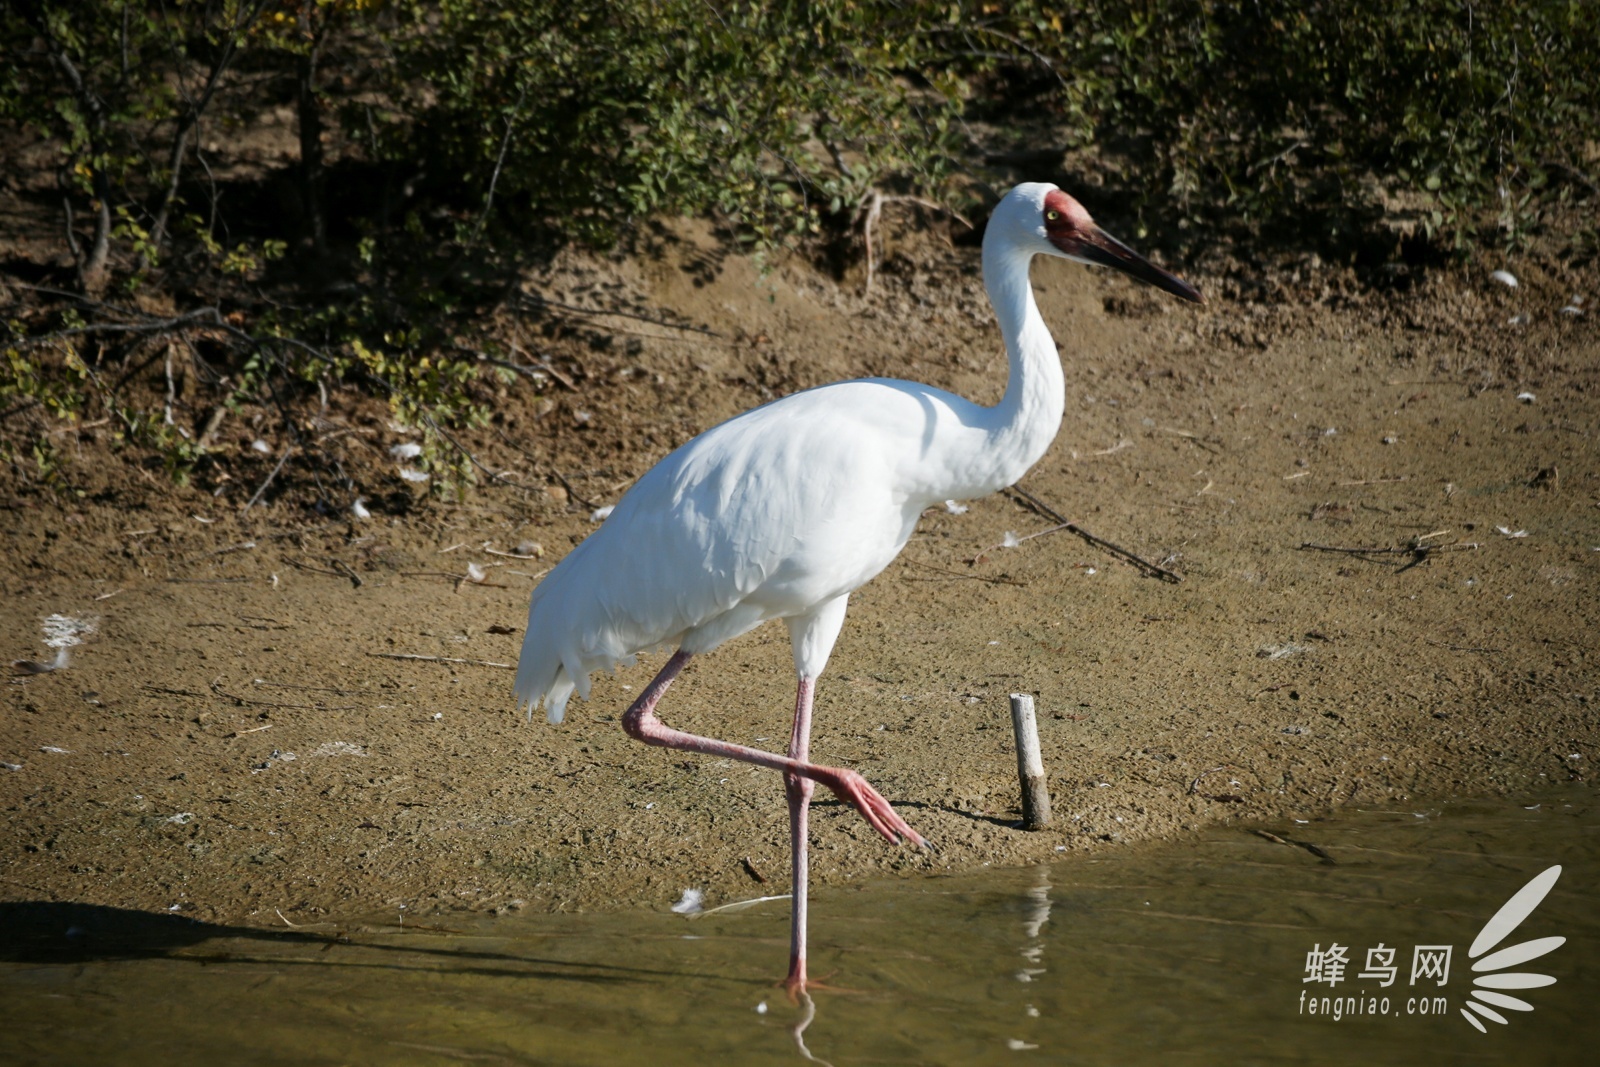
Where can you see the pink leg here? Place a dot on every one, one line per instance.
(640, 722)
(798, 790)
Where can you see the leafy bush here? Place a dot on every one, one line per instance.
(583, 117)
(1294, 113)
(1306, 117)
(512, 123)
(595, 114)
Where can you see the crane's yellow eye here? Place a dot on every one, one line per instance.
(1052, 215)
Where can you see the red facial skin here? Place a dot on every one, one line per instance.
(1071, 222)
(1068, 226)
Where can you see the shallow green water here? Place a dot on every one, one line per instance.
(1192, 953)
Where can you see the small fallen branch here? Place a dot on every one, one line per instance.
(312, 568)
(216, 688)
(1461, 648)
(442, 659)
(314, 688)
(1032, 502)
(1315, 850)
(1416, 548)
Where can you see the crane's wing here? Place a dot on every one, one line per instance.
(762, 517)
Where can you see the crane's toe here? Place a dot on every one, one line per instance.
(850, 787)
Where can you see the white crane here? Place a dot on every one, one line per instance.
(782, 512)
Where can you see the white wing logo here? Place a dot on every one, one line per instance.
(1496, 930)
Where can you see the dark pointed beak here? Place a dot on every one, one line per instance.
(1098, 246)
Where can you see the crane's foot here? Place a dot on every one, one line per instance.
(799, 987)
(850, 787)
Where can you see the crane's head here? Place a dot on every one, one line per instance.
(1041, 218)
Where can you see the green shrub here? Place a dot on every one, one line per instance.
(1301, 115)
(592, 115)
(529, 122)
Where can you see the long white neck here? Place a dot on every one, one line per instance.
(1020, 428)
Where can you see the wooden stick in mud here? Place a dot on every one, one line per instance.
(1030, 766)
